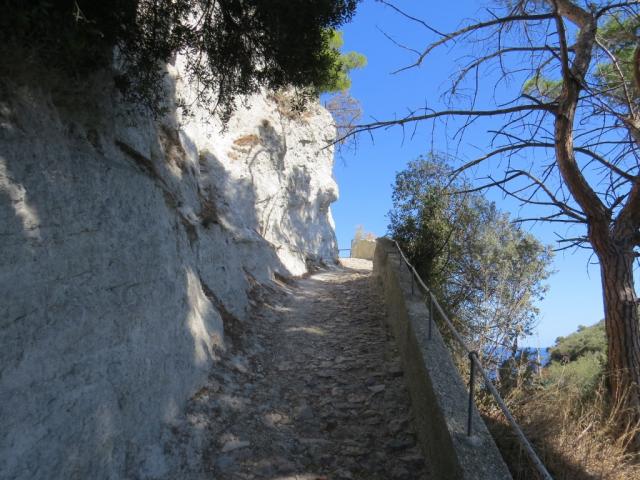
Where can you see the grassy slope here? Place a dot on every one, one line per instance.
(567, 416)
(578, 360)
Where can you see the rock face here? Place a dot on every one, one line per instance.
(129, 247)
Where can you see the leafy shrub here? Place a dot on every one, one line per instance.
(582, 375)
(578, 360)
(585, 341)
(486, 271)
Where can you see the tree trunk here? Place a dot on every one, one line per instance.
(623, 329)
(612, 240)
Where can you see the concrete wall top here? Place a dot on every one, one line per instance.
(438, 394)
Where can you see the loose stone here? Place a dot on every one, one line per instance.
(313, 392)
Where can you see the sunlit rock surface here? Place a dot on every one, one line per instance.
(126, 245)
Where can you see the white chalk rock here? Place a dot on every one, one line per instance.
(126, 244)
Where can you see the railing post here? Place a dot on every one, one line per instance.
(472, 383)
(472, 371)
(430, 314)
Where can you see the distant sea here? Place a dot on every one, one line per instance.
(545, 355)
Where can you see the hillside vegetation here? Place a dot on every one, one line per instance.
(567, 414)
(586, 340)
(579, 360)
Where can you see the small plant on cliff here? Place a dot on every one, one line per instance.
(345, 110)
(231, 47)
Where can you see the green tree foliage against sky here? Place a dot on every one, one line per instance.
(487, 272)
(613, 74)
(619, 35)
(232, 47)
(338, 79)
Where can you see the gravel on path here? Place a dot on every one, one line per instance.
(313, 391)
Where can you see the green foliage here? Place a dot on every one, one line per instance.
(232, 47)
(485, 270)
(587, 340)
(582, 375)
(543, 88)
(578, 361)
(620, 36)
(338, 79)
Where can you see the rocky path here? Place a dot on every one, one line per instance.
(317, 393)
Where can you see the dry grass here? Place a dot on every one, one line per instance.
(285, 104)
(247, 141)
(172, 146)
(208, 212)
(575, 438)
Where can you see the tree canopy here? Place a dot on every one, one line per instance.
(555, 85)
(232, 47)
(339, 79)
(486, 270)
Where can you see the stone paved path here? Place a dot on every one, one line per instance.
(316, 393)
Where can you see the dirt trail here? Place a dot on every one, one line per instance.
(315, 393)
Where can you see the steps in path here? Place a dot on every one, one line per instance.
(315, 391)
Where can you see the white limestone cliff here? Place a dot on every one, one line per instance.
(128, 245)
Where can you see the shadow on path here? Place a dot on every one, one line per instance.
(318, 393)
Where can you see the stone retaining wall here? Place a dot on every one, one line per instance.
(438, 394)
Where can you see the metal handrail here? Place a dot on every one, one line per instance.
(474, 361)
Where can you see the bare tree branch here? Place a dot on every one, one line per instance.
(476, 26)
(411, 118)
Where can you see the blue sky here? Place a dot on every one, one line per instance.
(366, 172)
